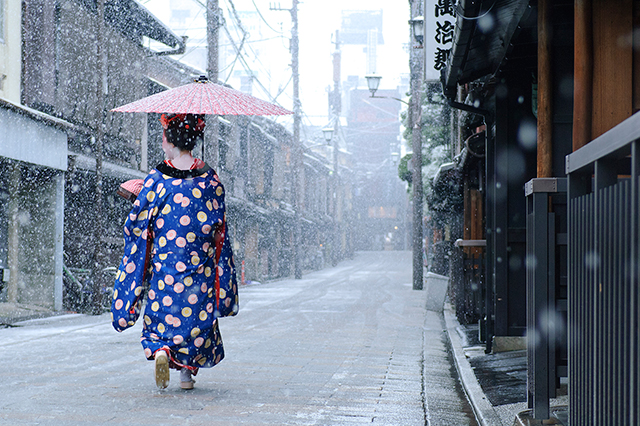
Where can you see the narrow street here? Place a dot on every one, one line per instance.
(346, 345)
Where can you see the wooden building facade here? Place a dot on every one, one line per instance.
(533, 82)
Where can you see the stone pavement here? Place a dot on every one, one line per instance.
(348, 345)
(496, 383)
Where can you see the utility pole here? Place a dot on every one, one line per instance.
(213, 25)
(297, 168)
(336, 109)
(214, 22)
(296, 152)
(416, 70)
(101, 90)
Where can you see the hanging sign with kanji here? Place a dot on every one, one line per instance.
(439, 26)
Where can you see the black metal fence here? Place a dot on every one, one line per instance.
(546, 264)
(603, 277)
(474, 286)
(467, 285)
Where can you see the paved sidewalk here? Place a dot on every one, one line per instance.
(495, 383)
(444, 395)
(347, 345)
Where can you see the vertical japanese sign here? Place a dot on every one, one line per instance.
(439, 28)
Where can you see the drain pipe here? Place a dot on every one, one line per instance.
(468, 108)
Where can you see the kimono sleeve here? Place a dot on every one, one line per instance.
(226, 283)
(128, 289)
(227, 304)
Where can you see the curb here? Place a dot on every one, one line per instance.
(11, 313)
(484, 411)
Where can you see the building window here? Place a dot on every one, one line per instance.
(2, 18)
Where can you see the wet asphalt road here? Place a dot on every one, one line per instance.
(344, 346)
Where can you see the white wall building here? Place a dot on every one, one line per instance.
(33, 161)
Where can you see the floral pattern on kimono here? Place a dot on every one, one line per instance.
(179, 219)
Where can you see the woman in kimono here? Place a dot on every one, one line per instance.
(177, 252)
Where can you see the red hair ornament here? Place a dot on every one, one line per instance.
(177, 119)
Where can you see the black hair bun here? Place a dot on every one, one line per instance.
(184, 130)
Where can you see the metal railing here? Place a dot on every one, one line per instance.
(603, 307)
(468, 293)
(546, 263)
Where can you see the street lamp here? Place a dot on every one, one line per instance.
(327, 132)
(417, 26)
(395, 157)
(373, 82)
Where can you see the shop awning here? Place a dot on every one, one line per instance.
(32, 136)
(483, 35)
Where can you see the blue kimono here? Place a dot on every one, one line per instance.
(177, 251)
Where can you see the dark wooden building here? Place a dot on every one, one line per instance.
(533, 83)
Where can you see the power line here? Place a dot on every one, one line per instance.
(238, 49)
(264, 20)
(235, 14)
(283, 87)
(240, 56)
(244, 37)
(203, 43)
(243, 43)
(243, 60)
(257, 58)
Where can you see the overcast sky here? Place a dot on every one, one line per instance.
(318, 21)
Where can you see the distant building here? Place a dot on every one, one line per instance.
(380, 201)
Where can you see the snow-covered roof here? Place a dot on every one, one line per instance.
(135, 21)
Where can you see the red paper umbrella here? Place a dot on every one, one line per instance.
(203, 97)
